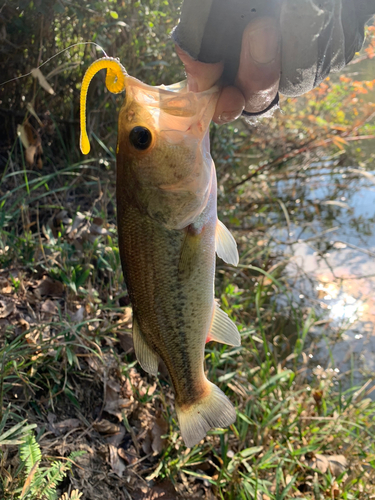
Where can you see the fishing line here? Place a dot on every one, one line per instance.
(55, 55)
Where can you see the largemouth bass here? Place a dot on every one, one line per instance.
(168, 234)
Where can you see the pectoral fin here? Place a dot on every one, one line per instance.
(226, 246)
(223, 329)
(147, 358)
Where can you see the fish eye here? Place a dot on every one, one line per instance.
(140, 138)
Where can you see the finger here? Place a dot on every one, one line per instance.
(259, 69)
(229, 105)
(200, 76)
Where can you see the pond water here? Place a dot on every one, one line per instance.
(330, 243)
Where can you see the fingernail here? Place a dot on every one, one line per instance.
(262, 40)
(229, 116)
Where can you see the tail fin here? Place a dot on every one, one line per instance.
(214, 410)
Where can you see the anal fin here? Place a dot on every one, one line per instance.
(226, 246)
(223, 329)
(147, 358)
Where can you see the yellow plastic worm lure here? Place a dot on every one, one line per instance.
(115, 83)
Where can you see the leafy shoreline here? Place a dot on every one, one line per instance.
(68, 375)
(69, 368)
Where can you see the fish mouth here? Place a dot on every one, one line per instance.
(174, 108)
(163, 101)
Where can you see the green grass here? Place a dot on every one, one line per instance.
(68, 375)
(63, 341)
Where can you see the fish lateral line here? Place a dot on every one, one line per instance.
(115, 83)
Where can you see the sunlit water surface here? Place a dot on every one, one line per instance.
(331, 265)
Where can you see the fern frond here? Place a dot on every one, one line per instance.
(42, 482)
(75, 454)
(74, 495)
(30, 452)
(54, 475)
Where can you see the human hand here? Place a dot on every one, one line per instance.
(258, 74)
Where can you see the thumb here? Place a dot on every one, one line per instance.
(200, 76)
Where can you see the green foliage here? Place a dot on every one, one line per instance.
(41, 482)
(30, 453)
(17, 434)
(137, 32)
(29, 480)
(58, 223)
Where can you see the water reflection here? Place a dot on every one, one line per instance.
(344, 306)
(330, 242)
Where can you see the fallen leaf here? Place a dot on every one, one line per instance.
(39, 162)
(117, 464)
(6, 309)
(163, 491)
(127, 315)
(27, 484)
(114, 404)
(146, 445)
(117, 438)
(319, 462)
(62, 217)
(49, 287)
(7, 290)
(79, 220)
(126, 342)
(49, 307)
(30, 154)
(68, 424)
(368, 175)
(129, 455)
(25, 325)
(95, 364)
(23, 135)
(337, 464)
(32, 111)
(78, 316)
(335, 490)
(115, 407)
(114, 386)
(31, 141)
(106, 427)
(98, 230)
(336, 203)
(42, 80)
(159, 429)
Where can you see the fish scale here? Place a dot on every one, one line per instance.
(168, 235)
(169, 323)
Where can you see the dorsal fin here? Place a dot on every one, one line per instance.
(223, 329)
(147, 358)
(226, 246)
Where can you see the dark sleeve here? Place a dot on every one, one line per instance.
(317, 36)
(211, 30)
